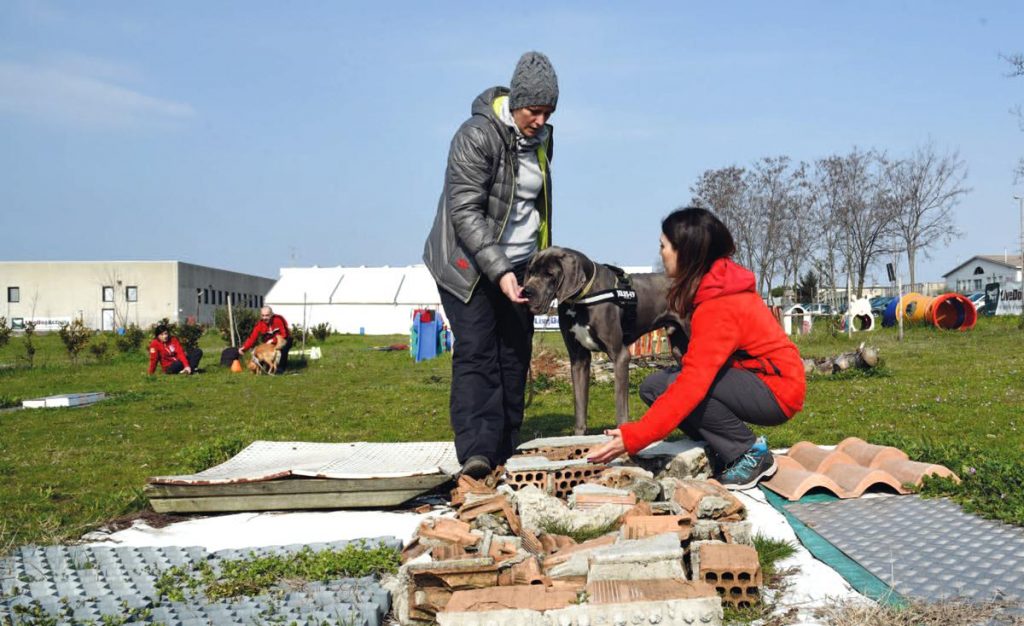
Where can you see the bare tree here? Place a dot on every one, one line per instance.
(798, 236)
(1016, 62)
(924, 190)
(724, 191)
(771, 185)
(857, 203)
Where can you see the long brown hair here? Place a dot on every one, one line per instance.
(699, 239)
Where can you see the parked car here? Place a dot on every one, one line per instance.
(880, 303)
(978, 299)
(818, 308)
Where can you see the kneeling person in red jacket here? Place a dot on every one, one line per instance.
(739, 368)
(270, 329)
(167, 350)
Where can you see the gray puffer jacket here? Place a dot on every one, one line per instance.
(479, 191)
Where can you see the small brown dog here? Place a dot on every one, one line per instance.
(265, 358)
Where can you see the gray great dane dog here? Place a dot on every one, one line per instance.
(594, 315)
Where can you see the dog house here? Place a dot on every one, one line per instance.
(803, 320)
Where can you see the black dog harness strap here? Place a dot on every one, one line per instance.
(624, 296)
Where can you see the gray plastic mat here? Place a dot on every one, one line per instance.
(928, 549)
(119, 585)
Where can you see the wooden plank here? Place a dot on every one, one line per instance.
(298, 485)
(279, 502)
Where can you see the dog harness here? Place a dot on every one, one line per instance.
(622, 295)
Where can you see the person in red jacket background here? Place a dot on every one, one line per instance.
(167, 351)
(270, 329)
(739, 368)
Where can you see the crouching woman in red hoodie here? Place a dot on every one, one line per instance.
(739, 368)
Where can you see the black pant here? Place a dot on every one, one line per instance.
(282, 365)
(193, 357)
(736, 398)
(490, 359)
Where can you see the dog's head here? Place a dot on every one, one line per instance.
(554, 273)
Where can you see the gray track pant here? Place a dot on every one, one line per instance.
(736, 398)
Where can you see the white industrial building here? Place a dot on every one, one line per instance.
(357, 300)
(107, 295)
(365, 300)
(973, 274)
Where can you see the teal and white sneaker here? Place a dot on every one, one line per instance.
(745, 472)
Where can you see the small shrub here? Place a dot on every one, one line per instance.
(245, 321)
(29, 343)
(98, 350)
(131, 340)
(189, 335)
(74, 336)
(7, 402)
(5, 332)
(295, 332)
(186, 332)
(321, 331)
(554, 526)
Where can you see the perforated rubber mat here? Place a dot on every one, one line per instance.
(928, 549)
(101, 585)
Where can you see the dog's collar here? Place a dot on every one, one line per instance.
(582, 293)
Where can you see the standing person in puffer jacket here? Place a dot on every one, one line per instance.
(493, 216)
(739, 368)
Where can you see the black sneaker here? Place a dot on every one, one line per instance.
(745, 472)
(476, 466)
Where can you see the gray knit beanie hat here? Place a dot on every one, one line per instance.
(533, 83)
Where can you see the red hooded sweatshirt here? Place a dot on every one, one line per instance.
(166, 353)
(274, 332)
(729, 321)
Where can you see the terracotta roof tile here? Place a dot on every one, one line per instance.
(847, 471)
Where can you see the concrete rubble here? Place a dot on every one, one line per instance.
(553, 539)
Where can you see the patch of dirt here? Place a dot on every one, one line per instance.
(147, 515)
(548, 364)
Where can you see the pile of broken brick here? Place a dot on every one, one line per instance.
(675, 545)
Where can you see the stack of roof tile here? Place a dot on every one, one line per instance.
(847, 471)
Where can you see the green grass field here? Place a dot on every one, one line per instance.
(947, 397)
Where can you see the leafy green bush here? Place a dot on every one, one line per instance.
(186, 332)
(189, 334)
(74, 336)
(5, 332)
(98, 350)
(321, 331)
(29, 343)
(7, 402)
(245, 321)
(131, 340)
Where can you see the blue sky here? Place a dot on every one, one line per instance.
(256, 135)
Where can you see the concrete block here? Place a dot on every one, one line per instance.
(675, 459)
(634, 479)
(539, 511)
(733, 570)
(659, 556)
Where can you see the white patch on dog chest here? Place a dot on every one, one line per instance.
(582, 334)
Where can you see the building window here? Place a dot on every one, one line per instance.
(977, 284)
(206, 296)
(979, 270)
(108, 294)
(131, 293)
(18, 323)
(14, 294)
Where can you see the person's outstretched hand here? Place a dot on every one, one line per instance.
(509, 285)
(611, 450)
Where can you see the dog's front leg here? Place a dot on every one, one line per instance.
(580, 358)
(621, 361)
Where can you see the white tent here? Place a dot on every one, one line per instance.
(358, 300)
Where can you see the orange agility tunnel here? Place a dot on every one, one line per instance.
(952, 311)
